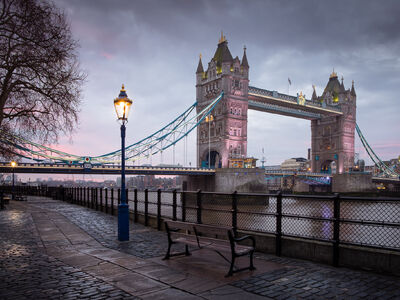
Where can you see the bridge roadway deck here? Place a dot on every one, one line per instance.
(101, 169)
(56, 250)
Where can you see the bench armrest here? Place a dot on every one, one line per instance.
(245, 238)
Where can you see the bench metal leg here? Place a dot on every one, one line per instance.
(251, 261)
(167, 255)
(230, 273)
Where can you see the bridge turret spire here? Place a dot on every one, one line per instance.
(314, 94)
(353, 91)
(200, 66)
(342, 89)
(222, 38)
(245, 64)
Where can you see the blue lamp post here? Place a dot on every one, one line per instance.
(122, 105)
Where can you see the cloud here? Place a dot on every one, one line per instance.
(153, 46)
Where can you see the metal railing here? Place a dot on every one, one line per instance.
(335, 219)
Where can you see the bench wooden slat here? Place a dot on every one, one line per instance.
(179, 225)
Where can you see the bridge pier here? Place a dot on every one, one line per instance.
(228, 180)
(352, 182)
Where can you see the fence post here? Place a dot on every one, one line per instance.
(91, 198)
(278, 240)
(87, 197)
(101, 200)
(336, 229)
(106, 199)
(146, 207)
(112, 201)
(198, 201)
(158, 209)
(96, 198)
(135, 204)
(234, 212)
(1, 200)
(183, 204)
(94, 191)
(174, 205)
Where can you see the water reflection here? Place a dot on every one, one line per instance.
(260, 216)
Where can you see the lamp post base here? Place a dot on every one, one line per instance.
(123, 222)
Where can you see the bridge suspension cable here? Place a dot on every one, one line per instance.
(375, 158)
(157, 142)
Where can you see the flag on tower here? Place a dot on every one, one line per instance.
(290, 82)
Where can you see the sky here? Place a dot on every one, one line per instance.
(153, 48)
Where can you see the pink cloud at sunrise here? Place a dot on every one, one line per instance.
(107, 55)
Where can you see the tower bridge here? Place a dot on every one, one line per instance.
(332, 115)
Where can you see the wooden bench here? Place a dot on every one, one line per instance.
(198, 236)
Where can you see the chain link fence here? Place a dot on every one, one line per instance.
(371, 222)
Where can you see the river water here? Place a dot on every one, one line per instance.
(260, 216)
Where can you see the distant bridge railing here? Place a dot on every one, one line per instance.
(101, 169)
(288, 172)
(275, 94)
(337, 220)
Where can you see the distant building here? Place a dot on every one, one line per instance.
(242, 162)
(295, 164)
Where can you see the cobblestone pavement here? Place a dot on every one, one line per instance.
(144, 242)
(26, 272)
(307, 280)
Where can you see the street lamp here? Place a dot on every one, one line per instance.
(13, 164)
(122, 105)
(209, 119)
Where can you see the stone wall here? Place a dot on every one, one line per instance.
(352, 182)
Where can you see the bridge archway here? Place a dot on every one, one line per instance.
(329, 167)
(214, 161)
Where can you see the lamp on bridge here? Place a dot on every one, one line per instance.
(122, 106)
(13, 165)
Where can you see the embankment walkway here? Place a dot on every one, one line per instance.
(55, 250)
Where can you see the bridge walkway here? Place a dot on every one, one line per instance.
(52, 249)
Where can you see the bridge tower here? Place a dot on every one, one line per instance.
(332, 138)
(228, 129)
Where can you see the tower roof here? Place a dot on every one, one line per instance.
(222, 54)
(244, 59)
(200, 66)
(333, 85)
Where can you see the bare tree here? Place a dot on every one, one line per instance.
(40, 77)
